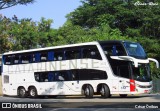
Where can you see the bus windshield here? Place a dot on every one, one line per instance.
(135, 50)
(141, 73)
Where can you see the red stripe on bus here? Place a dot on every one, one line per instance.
(132, 85)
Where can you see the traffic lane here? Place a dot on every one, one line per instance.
(138, 98)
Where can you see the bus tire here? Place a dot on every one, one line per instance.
(21, 92)
(123, 95)
(88, 91)
(104, 91)
(32, 92)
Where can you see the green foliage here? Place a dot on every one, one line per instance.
(25, 34)
(131, 20)
(9, 3)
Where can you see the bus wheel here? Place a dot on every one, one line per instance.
(32, 92)
(123, 95)
(105, 92)
(21, 92)
(88, 91)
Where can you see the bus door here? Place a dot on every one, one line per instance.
(6, 84)
(69, 83)
(124, 78)
(73, 87)
(123, 85)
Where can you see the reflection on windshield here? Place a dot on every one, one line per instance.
(135, 50)
(142, 73)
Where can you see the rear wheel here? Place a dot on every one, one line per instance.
(104, 91)
(21, 92)
(123, 95)
(33, 92)
(88, 91)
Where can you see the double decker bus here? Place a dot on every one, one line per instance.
(104, 68)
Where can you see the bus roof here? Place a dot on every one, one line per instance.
(49, 48)
(64, 46)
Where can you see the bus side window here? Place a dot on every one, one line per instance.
(51, 77)
(58, 55)
(6, 79)
(37, 77)
(91, 53)
(97, 74)
(72, 54)
(74, 74)
(50, 56)
(16, 59)
(43, 56)
(7, 60)
(36, 57)
(25, 59)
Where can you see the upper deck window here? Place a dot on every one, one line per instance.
(135, 50)
(113, 49)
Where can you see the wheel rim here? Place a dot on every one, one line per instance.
(32, 92)
(102, 91)
(87, 91)
(22, 92)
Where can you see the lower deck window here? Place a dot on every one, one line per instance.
(70, 75)
(6, 79)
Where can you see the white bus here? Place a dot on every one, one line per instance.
(104, 68)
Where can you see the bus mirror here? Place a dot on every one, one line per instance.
(126, 58)
(129, 58)
(154, 60)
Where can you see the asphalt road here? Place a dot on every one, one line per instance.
(140, 102)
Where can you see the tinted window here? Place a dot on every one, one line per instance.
(91, 52)
(6, 79)
(120, 68)
(70, 75)
(43, 56)
(72, 54)
(135, 50)
(15, 59)
(25, 59)
(74, 74)
(89, 74)
(52, 76)
(114, 50)
(7, 60)
(124, 71)
(50, 56)
(58, 55)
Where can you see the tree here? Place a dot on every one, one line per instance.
(9, 3)
(46, 35)
(5, 44)
(21, 34)
(121, 14)
(122, 20)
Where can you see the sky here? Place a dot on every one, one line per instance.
(49, 9)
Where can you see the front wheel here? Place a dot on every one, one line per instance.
(88, 91)
(33, 92)
(105, 92)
